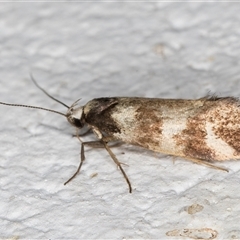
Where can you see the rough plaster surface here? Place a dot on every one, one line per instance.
(87, 50)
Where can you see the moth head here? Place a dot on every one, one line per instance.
(75, 115)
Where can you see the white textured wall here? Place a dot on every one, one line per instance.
(87, 50)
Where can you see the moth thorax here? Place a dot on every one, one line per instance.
(74, 116)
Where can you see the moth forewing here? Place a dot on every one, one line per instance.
(201, 130)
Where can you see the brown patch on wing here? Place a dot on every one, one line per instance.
(226, 117)
(193, 136)
(149, 126)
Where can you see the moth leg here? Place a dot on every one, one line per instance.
(82, 159)
(118, 164)
(204, 162)
(104, 141)
(104, 144)
(98, 143)
(108, 139)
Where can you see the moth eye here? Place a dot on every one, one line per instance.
(77, 123)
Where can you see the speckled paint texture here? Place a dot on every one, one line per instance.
(89, 50)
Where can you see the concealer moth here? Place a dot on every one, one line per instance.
(200, 130)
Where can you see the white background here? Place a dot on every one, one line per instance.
(87, 50)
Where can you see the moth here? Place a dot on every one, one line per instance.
(200, 130)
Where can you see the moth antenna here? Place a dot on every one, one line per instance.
(29, 106)
(53, 98)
